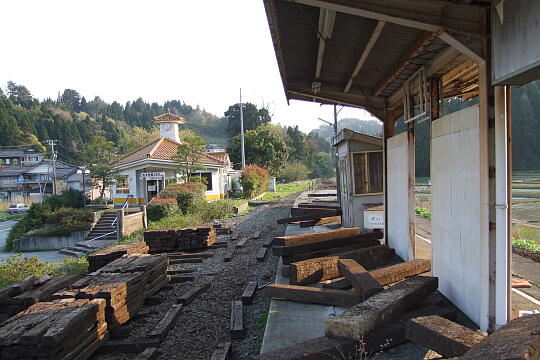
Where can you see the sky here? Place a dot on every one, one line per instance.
(200, 51)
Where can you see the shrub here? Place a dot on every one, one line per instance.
(198, 179)
(423, 212)
(254, 180)
(294, 172)
(35, 218)
(66, 199)
(187, 194)
(215, 210)
(158, 208)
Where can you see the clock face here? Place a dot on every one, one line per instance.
(167, 127)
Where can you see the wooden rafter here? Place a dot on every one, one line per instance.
(367, 50)
(418, 47)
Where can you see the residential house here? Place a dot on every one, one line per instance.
(18, 157)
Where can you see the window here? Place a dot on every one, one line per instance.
(208, 177)
(122, 184)
(368, 172)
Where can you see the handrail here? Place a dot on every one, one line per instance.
(126, 204)
(100, 236)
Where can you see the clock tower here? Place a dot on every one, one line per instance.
(168, 126)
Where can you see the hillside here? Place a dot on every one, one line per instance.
(370, 127)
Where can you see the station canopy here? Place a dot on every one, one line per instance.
(361, 53)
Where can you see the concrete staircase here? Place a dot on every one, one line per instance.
(104, 233)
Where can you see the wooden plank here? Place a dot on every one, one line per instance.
(237, 320)
(363, 283)
(321, 221)
(175, 279)
(315, 236)
(190, 256)
(325, 244)
(329, 252)
(519, 339)
(222, 352)
(359, 320)
(186, 261)
(395, 332)
(321, 212)
(261, 254)
(128, 347)
(340, 283)
(398, 272)
(293, 219)
(227, 257)
(313, 270)
(319, 206)
(193, 293)
(369, 257)
(311, 295)
(443, 336)
(150, 353)
(240, 244)
(268, 242)
(218, 245)
(249, 292)
(166, 323)
(180, 271)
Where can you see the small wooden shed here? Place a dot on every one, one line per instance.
(361, 168)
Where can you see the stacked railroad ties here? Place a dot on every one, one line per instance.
(69, 317)
(385, 302)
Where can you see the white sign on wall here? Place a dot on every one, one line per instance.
(373, 219)
(153, 175)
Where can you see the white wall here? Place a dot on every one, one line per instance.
(458, 251)
(398, 196)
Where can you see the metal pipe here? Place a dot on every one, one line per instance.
(501, 209)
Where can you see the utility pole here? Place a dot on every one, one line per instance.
(53, 160)
(242, 131)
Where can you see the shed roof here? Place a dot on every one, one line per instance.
(169, 118)
(348, 134)
(360, 53)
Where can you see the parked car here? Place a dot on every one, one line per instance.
(17, 209)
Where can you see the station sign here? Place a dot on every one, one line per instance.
(153, 175)
(374, 219)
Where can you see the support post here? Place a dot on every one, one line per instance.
(411, 178)
(502, 250)
(338, 176)
(389, 128)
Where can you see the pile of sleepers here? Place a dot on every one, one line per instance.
(124, 284)
(60, 329)
(379, 292)
(18, 297)
(106, 255)
(170, 240)
(313, 214)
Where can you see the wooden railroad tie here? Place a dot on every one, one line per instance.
(222, 352)
(268, 242)
(185, 261)
(193, 293)
(312, 295)
(237, 320)
(180, 271)
(256, 235)
(261, 254)
(166, 323)
(148, 354)
(128, 347)
(249, 293)
(181, 278)
(361, 280)
(240, 244)
(227, 257)
(190, 256)
(218, 245)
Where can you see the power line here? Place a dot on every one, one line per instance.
(51, 143)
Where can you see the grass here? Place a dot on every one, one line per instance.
(423, 212)
(284, 190)
(18, 267)
(526, 244)
(5, 216)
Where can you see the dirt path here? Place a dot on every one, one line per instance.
(204, 323)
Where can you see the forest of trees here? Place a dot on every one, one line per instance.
(73, 120)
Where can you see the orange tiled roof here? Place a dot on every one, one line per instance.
(165, 149)
(168, 117)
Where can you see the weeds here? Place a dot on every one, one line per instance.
(423, 212)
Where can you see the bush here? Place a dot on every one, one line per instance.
(35, 218)
(159, 208)
(295, 172)
(423, 212)
(215, 210)
(66, 199)
(64, 221)
(254, 180)
(187, 194)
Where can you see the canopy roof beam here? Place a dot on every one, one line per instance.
(367, 50)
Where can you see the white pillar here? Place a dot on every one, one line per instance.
(502, 250)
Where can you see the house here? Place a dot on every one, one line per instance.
(360, 159)
(145, 171)
(18, 157)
